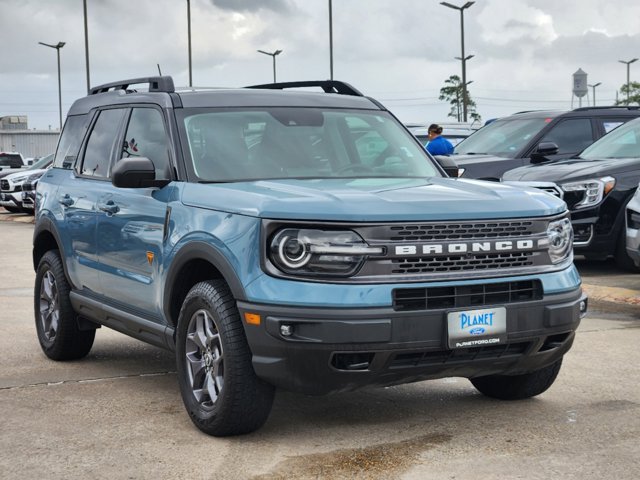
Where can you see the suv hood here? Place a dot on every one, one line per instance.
(571, 169)
(23, 173)
(372, 199)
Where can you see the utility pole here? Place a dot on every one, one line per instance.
(330, 41)
(274, 55)
(86, 44)
(189, 41)
(58, 46)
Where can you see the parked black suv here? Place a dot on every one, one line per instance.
(532, 137)
(596, 185)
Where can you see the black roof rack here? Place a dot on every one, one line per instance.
(156, 84)
(610, 107)
(329, 86)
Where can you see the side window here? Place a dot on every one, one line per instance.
(99, 150)
(146, 137)
(571, 136)
(70, 141)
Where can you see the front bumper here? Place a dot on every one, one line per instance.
(337, 349)
(10, 199)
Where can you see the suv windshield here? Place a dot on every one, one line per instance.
(623, 142)
(236, 145)
(503, 138)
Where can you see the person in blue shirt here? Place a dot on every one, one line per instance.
(438, 145)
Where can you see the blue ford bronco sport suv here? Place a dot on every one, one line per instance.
(287, 238)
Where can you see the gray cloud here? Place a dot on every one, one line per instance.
(279, 6)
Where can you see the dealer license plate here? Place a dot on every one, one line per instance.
(477, 328)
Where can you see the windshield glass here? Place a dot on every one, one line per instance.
(503, 138)
(44, 162)
(623, 142)
(276, 143)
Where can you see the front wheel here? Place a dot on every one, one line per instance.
(517, 387)
(219, 387)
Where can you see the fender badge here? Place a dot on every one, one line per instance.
(150, 257)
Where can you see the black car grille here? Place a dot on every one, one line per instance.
(4, 184)
(433, 298)
(456, 263)
(460, 231)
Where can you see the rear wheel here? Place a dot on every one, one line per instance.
(518, 387)
(56, 322)
(219, 387)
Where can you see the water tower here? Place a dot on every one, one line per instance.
(580, 88)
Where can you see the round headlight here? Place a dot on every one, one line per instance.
(292, 251)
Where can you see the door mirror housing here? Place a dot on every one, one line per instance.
(544, 149)
(448, 164)
(135, 172)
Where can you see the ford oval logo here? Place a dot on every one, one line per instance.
(477, 331)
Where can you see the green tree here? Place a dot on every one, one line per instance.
(634, 94)
(452, 93)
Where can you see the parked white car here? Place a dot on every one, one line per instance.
(11, 185)
(633, 227)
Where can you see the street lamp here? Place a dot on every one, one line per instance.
(330, 41)
(86, 44)
(58, 46)
(462, 57)
(189, 40)
(594, 91)
(627, 64)
(272, 54)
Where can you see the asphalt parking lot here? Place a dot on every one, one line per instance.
(118, 412)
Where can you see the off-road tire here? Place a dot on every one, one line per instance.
(218, 361)
(56, 321)
(517, 387)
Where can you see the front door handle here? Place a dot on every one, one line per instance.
(110, 207)
(66, 200)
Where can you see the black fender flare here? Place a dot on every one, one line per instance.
(200, 250)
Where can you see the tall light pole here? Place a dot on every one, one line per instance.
(594, 91)
(462, 57)
(330, 41)
(628, 83)
(189, 40)
(86, 44)
(58, 46)
(272, 54)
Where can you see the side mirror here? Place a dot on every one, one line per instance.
(135, 172)
(448, 164)
(29, 162)
(544, 149)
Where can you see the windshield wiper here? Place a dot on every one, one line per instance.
(473, 153)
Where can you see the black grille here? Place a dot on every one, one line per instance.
(4, 184)
(454, 263)
(432, 298)
(438, 357)
(459, 231)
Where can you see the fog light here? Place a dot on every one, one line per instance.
(286, 330)
(583, 308)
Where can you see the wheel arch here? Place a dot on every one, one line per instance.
(45, 238)
(195, 262)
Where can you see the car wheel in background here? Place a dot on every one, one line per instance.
(517, 387)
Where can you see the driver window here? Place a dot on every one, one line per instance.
(146, 137)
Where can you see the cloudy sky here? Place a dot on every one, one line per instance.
(398, 51)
